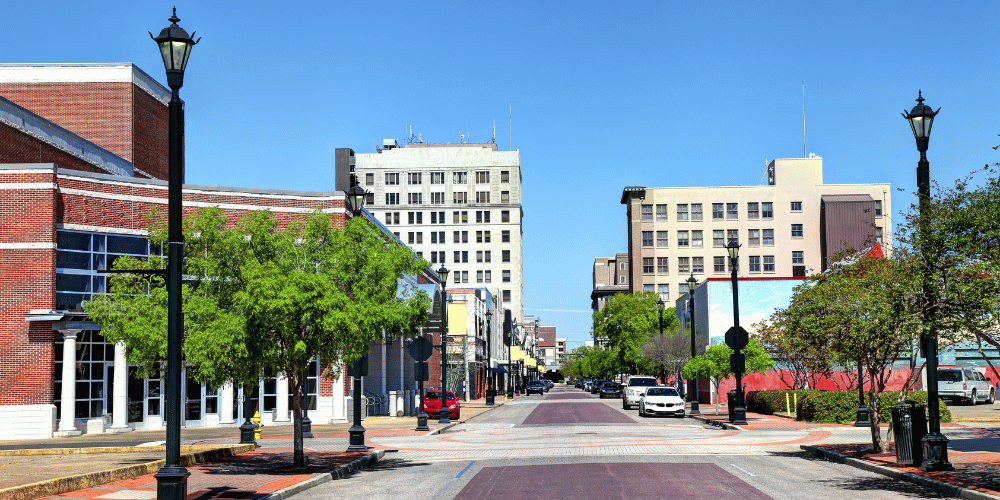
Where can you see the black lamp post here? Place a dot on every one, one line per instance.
(443, 414)
(862, 410)
(935, 444)
(489, 358)
(740, 410)
(246, 430)
(660, 305)
(175, 47)
(692, 284)
(356, 200)
(307, 425)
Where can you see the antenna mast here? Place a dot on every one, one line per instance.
(804, 154)
(510, 147)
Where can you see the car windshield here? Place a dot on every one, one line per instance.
(662, 391)
(435, 395)
(535, 382)
(949, 376)
(642, 382)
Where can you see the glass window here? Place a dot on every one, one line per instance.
(391, 179)
(683, 265)
(719, 264)
(661, 239)
(479, 276)
(754, 263)
(753, 237)
(753, 210)
(505, 276)
(504, 176)
(369, 179)
(506, 295)
(437, 198)
(718, 238)
(732, 211)
(482, 196)
(698, 265)
(460, 197)
(505, 216)
(664, 292)
(798, 257)
(415, 198)
(647, 238)
(768, 263)
(768, 237)
(878, 234)
(682, 239)
(648, 287)
(682, 211)
(662, 265)
(482, 177)
(392, 198)
(647, 212)
(696, 239)
(504, 196)
(878, 208)
(732, 234)
(414, 178)
(767, 208)
(796, 230)
(696, 211)
(489, 276)
(459, 177)
(505, 256)
(717, 211)
(437, 177)
(647, 265)
(505, 236)
(796, 206)
(661, 212)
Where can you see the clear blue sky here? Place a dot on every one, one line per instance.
(604, 95)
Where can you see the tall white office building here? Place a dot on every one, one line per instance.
(457, 204)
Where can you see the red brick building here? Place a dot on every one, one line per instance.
(83, 155)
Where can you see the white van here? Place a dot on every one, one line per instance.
(635, 389)
(969, 384)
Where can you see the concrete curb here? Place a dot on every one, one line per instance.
(717, 423)
(106, 449)
(453, 424)
(946, 489)
(338, 473)
(72, 483)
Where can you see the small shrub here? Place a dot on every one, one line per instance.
(840, 406)
(771, 402)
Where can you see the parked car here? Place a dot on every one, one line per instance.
(635, 388)
(611, 390)
(661, 401)
(965, 384)
(549, 383)
(536, 387)
(432, 404)
(585, 384)
(595, 386)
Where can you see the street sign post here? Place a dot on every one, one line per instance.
(737, 362)
(421, 349)
(737, 338)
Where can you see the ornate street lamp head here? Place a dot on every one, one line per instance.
(443, 273)
(356, 197)
(734, 249)
(660, 304)
(692, 283)
(175, 48)
(489, 316)
(921, 118)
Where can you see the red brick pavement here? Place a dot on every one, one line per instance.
(249, 475)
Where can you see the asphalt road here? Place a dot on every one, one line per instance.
(562, 445)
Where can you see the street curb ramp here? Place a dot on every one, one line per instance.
(338, 473)
(948, 490)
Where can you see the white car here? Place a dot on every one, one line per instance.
(635, 388)
(967, 384)
(661, 401)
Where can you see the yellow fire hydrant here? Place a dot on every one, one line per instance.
(257, 426)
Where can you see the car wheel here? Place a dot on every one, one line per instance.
(973, 400)
(624, 405)
(458, 415)
(993, 397)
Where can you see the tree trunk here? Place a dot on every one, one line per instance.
(874, 407)
(296, 386)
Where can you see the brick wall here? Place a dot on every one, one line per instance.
(117, 116)
(18, 147)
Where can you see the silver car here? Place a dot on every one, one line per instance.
(966, 384)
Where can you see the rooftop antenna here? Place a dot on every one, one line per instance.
(461, 138)
(804, 155)
(510, 147)
(377, 148)
(494, 139)
(766, 163)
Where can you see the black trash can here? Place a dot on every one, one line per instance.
(909, 425)
(731, 402)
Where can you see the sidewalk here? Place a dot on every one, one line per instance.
(123, 471)
(973, 451)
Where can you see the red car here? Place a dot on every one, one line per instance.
(432, 404)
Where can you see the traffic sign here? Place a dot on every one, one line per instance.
(737, 363)
(362, 363)
(737, 337)
(420, 349)
(422, 373)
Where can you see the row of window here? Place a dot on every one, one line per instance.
(417, 178)
(720, 264)
(437, 237)
(457, 217)
(459, 256)
(482, 276)
(438, 198)
(720, 237)
(724, 211)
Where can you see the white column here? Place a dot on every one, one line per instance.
(119, 415)
(67, 424)
(281, 393)
(402, 364)
(226, 402)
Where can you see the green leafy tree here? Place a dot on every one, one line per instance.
(626, 321)
(667, 353)
(714, 364)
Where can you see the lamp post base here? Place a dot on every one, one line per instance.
(862, 420)
(307, 427)
(357, 439)
(171, 483)
(246, 433)
(740, 416)
(935, 446)
(422, 422)
(443, 419)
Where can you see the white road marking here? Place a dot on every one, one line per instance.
(742, 469)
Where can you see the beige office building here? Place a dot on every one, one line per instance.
(457, 204)
(792, 225)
